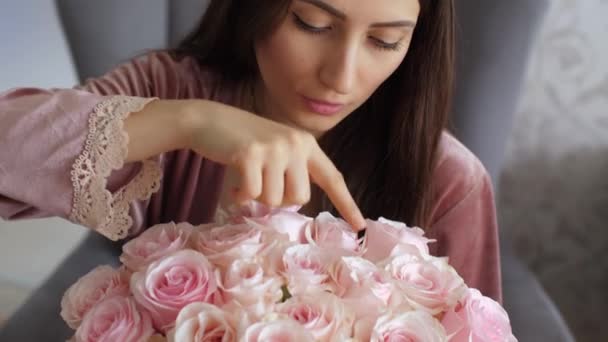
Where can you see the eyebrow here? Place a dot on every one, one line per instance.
(341, 15)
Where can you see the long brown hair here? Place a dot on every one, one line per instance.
(387, 148)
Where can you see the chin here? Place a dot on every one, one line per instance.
(314, 123)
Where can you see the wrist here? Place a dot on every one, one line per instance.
(193, 120)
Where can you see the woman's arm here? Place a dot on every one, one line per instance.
(63, 152)
(93, 145)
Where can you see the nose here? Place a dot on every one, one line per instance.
(339, 68)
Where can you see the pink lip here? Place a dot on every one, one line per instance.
(323, 107)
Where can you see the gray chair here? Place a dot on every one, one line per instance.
(493, 45)
(494, 42)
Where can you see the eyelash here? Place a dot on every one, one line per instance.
(379, 44)
(309, 28)
(386, 46)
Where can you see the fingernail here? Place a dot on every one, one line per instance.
(361, 233)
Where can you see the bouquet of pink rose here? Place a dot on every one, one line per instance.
(276, 275)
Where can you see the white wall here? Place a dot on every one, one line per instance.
(34, 50)
(33, 53)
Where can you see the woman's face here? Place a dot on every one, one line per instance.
(327, 57)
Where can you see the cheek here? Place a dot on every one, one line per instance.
(283, 59)
(371, 77)
(377, 68)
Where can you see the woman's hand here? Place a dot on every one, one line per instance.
(275, 162)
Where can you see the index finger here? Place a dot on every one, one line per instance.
(324, 173)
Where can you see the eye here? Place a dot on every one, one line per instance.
(307, 27)
(382, 45)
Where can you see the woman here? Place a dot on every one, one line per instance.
(260, 99)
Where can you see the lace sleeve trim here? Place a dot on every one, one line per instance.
(105, 150)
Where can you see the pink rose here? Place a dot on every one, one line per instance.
(102, 282)
(203, 322)
(245, 282)
(333, 233)
(252, 209)
(383, 235)
(322, 314)
(415, 326)
(306, 268)
(362, 279)
(287, 223)
(368, 290)
(155, 243)
(223, 244)
(171, 283)
(429, 284)
(115, 319)
(478, 319)
(342, 277)
(285, 330)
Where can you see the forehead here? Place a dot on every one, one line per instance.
(370, 11)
